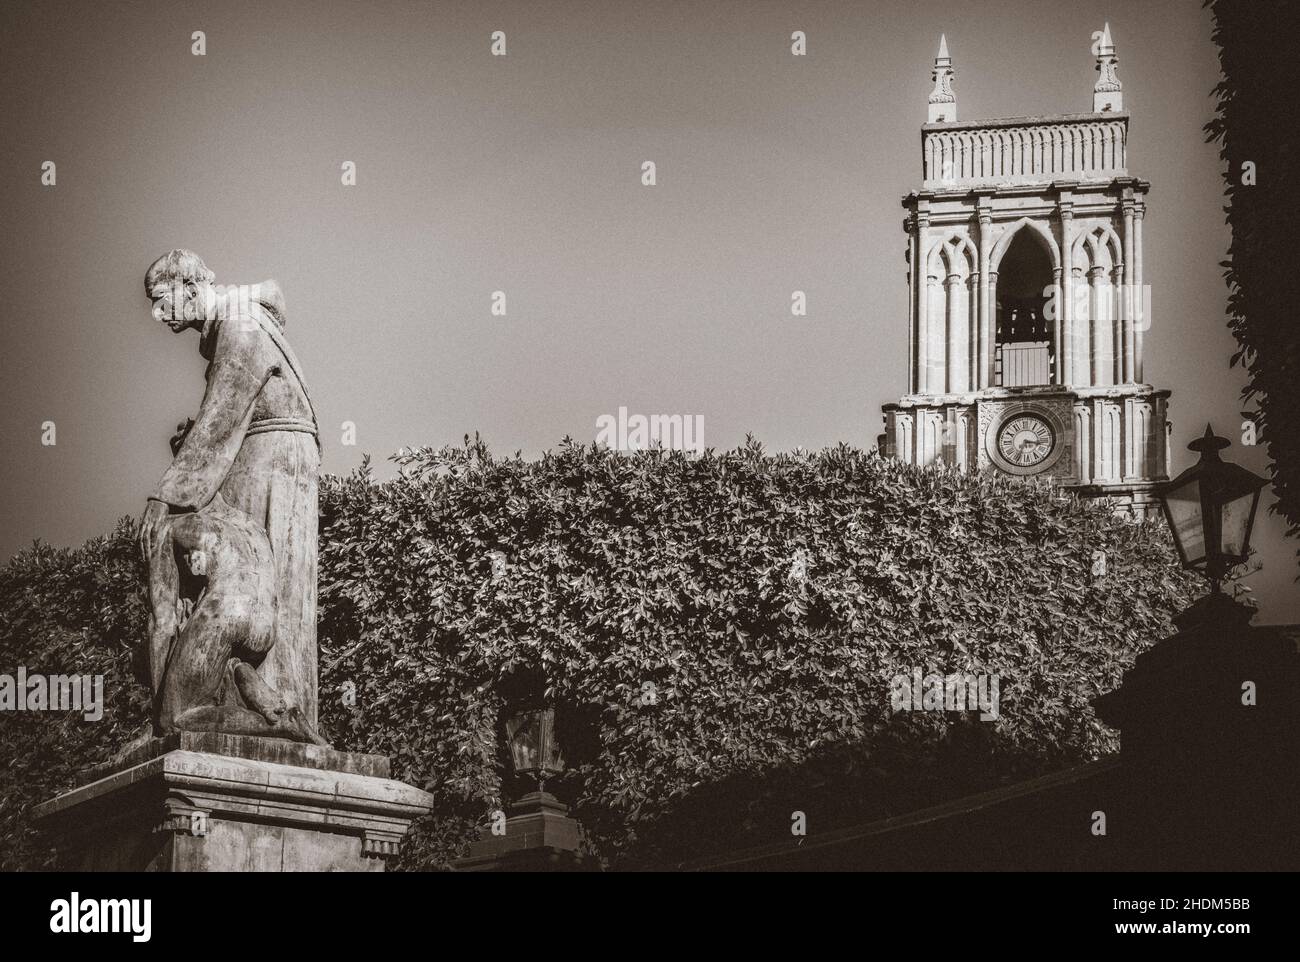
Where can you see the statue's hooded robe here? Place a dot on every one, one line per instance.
(255, 441)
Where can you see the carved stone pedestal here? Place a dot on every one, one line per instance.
(194, 802)
(540, 836)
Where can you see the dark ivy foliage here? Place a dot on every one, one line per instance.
(717, 632)
(1256, 125)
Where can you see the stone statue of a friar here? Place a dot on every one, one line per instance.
(229, 534)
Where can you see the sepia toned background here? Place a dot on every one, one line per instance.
(522, 174)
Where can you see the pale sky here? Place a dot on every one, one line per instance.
(522, 174)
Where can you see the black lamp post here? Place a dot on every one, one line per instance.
(1209, 718)
(1211, 510)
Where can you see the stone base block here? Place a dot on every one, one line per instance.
(539, 836)
(197, 802)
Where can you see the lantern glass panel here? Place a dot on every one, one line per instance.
(1184, 506)
(525, 742)
(1236, 524)
(551, 760)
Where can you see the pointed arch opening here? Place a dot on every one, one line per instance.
(1024, 337)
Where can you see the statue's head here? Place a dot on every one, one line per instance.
(180, 286)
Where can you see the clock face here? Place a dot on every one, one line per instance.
(1026, 440)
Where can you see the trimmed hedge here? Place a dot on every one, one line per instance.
(718, 634)
(68, 611)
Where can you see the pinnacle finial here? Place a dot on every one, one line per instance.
(1107, 94)
(943, 102)
(1209, 444)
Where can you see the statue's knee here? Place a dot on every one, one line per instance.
(249, 635)
(262, 629)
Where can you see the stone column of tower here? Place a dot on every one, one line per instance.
(1027, 312)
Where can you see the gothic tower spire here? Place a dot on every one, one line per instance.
(943, 102)
(1107, 94)
(1027, 319)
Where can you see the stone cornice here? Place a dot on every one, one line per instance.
(1036, 121)
(1043, 392)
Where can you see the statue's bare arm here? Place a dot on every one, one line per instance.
(237, 373)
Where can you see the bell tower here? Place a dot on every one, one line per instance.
(1028, 306)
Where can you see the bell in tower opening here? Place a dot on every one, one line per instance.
(1022, 346)
(1028, 308)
